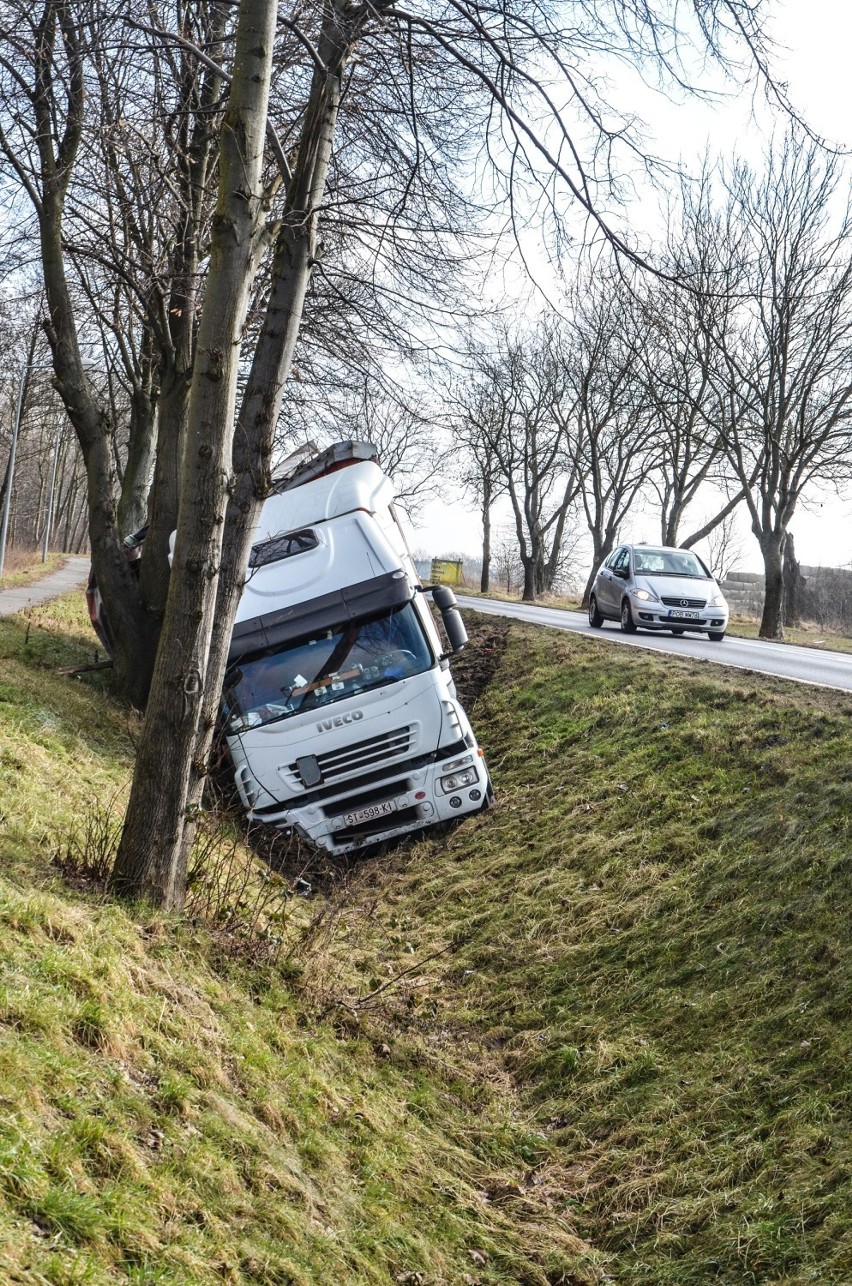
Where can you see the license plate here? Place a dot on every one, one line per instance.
(370, 813)
(684, 616)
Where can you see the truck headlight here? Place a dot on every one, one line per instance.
(458, 780)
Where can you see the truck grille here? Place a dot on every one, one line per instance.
(356, 758)
(685, 602)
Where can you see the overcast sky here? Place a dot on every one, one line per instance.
(818, 37)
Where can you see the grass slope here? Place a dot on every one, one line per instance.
(175, 1112)
(652, 928)
(596, 1034)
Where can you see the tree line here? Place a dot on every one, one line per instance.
(731, 366)
(217, 195)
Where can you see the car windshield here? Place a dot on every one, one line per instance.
(317, 671)
(668, 562)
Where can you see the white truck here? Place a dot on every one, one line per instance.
(339, 709)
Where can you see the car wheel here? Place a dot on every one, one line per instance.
(716, 636)
(627, 622)
(595, 618)
(677, 633)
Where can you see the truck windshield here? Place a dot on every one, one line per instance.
(314, 672)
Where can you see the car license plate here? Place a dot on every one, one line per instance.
(684, 616)
(370, 813)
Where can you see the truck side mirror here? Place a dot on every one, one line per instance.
(445, 601)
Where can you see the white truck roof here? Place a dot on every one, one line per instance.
(355, 538)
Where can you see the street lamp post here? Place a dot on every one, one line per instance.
(48, 522)
(10, 469)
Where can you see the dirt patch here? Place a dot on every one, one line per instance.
(474, 668)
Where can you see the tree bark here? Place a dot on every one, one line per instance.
(160, 817)
(794, 583)
(529, 592)
(772, 622)
(141, 453)
(178, 327)
(485, 578)
(254, 436)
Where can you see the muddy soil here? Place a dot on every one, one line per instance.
(473, 669)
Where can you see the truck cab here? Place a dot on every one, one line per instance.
(339, 707)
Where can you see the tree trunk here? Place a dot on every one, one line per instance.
(794, 583)
(772, 621)
(141, 451)
(91, 422)
(160, 816)
(164, 495)
(485, 578)
(254, 437)
(529, 591)
(602, 551)
(94, 432)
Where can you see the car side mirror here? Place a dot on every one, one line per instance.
(445, 601)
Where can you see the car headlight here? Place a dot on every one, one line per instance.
(716, 601)
(644, 595)
(458, 780)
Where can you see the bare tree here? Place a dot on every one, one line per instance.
(159, 823)
(474, 74)
(508, 567)
(515, 410)
(616, 447)
(398, 421)
(724, 548)
(787, 354)
(477, 467)
(677, 320)
(96, 205)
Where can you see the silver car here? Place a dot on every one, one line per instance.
(656, 587)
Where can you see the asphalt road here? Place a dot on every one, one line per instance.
(73, 574)
(801, 664)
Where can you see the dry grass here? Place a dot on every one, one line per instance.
(181, 1109)
(647, 937)
(24, 565)
(597, 1033)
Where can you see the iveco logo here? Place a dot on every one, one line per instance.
(339, 720)
(684, 602)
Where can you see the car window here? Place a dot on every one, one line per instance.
(648, 561)
(622, 562)
(668, 562)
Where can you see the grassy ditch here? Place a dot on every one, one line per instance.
(599, 1033)
(651, 932)
(178, 1104)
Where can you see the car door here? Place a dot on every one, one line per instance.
(609, 584)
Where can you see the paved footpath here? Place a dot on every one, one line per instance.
(73, 574)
